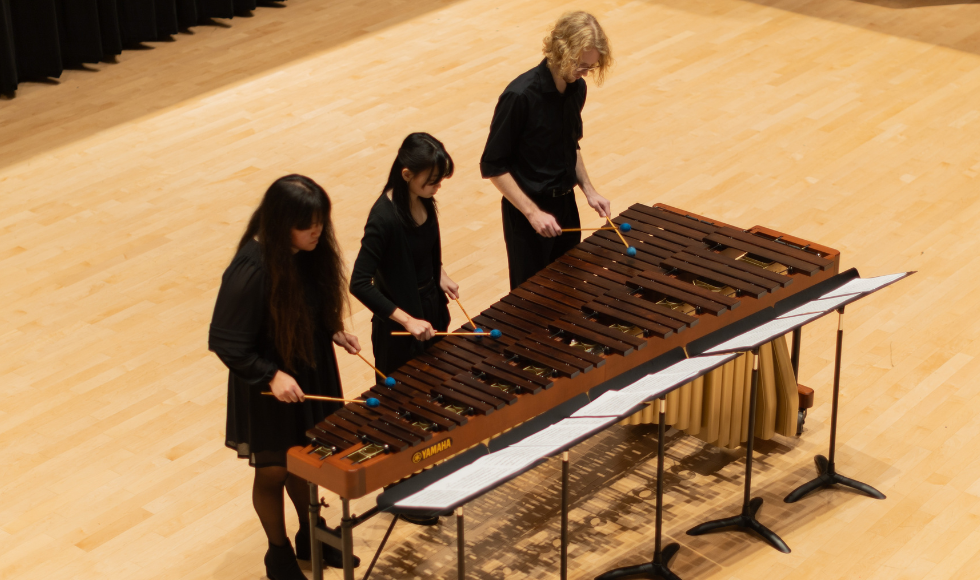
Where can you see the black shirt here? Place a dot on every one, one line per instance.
(421, 239)
(535, 132)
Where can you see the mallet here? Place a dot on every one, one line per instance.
(389, 382)
(370, 401)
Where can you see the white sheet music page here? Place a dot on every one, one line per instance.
(819, 305)
(859, 285)
(764, 333)
(564, 432)
(435, 498)
(474, 477)
(484, 473)
(678, 374)
(516, 458)
(612, 404)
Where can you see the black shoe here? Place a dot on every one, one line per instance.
(422, 520)
(332, 557)
(280, 563)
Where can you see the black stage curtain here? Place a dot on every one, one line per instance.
(39, 38)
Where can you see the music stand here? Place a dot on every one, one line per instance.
(826, 469)
(750, 342)
(659, 565)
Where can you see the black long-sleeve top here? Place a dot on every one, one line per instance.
(535, 132)
(383, 277)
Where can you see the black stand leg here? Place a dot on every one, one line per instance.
(347, 540)
(381, 547)
(316, 554)
(747, 519)
(460, 546)
(794, 358)
(659, 567)
(564, 516)
(827, 475)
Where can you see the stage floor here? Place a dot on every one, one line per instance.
(124, 188)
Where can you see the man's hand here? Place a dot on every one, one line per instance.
(348, 341)
(600, 204)
(285, 388)
(544, 223)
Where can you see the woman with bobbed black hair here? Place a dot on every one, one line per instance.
(398, 272)
(278, 313)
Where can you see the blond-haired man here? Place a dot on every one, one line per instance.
(532, 155)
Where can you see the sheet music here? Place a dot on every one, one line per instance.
(564, 432)
(512, 457)
(764, 333)
(819, 305)
(612, 404)
(474, 477)
(859, 285)
(487, 471)
(678, 374)
(435, 498)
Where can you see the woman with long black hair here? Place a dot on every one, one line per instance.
(398, 273)
(278, 313)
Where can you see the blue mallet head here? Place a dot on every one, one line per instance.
(389, 382)
(631, 252)
(372, 402)
(624, 227)
(495, 333)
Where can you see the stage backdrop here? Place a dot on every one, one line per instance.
(39, 38)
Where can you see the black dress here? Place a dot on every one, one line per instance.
(399, 267)
(260, 427)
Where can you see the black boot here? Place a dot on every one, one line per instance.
(332, 557)
(280, 563)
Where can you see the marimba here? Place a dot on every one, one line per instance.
(591, 315)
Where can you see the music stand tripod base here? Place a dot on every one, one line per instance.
(745, 521)
(658, 568)
(828, 477)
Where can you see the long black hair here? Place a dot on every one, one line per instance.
(297, 202)
(419, 152)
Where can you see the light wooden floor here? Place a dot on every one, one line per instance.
(123, 191)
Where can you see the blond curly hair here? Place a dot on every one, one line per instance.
(573, 34)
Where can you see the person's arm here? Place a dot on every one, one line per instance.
(420, 329)
(600, 204)
(448, 286)
(509, 119)
(234, 333)
(373, 246)
(347, 341)
(544, 223)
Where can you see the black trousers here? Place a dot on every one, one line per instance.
(529, 252)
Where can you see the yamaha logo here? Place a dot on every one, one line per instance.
(428, 452)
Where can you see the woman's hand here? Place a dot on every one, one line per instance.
(420, 329)
(286, 389)
(448, 286)
(348, 341)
